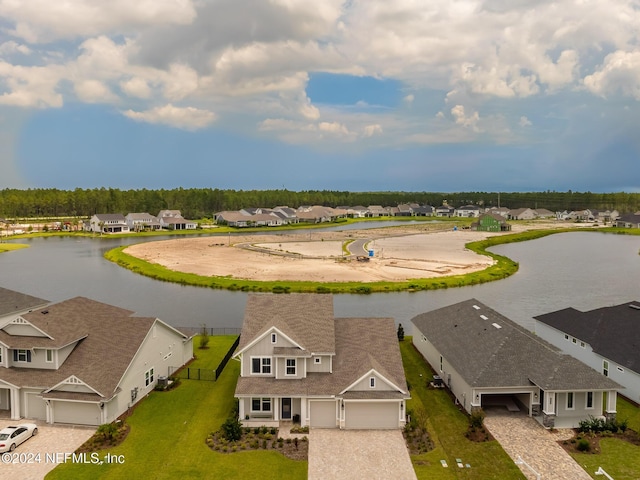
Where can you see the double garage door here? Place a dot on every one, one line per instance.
(76, 412)
(358, 415)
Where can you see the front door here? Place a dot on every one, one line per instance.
(286, 409)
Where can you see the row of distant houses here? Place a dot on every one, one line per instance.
(283, 215)
(138, 222)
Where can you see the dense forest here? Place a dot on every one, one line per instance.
(204, 202)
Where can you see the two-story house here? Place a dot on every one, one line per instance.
(83, 362)
(300, 363)
(108, 223)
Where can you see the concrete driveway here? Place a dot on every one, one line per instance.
(40, 454)
(358, 454)
(523, 437)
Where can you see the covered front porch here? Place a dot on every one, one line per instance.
(271, 411)
(565, 409)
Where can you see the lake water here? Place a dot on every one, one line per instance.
(580, 269)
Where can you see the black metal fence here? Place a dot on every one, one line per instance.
(188, 373)
(227, 357)
(211, 330)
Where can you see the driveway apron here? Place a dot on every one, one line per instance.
(358, 454)
(524, 438)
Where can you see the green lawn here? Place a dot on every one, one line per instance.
(447, 426)
(168, 432)
(619, 459)
(8, 247)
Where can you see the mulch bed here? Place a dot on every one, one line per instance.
(572, 445)
(418, 440)
(99, 442)
(478, 434)
(261, 438)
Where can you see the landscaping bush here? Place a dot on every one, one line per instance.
(583, 445)
(232, 429)
(476, 419)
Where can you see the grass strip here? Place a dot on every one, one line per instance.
(10, 247)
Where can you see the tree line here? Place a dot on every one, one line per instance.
(198, 203)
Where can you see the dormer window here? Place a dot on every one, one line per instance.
(49, 356)
(372, 382)
(22, 356)
(274, 338)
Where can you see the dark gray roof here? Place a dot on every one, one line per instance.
(509, 356)
(12, 302)
(613, 332)
(110, 216)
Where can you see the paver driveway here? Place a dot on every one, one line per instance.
(358, 454)
(523, 437)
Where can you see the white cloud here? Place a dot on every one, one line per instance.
(371, 130)
(409, 99)
(31, 86)
(463, 119)
(524, 122)
(94, 91)
(10, 47)
(187, 118)
(136, 87)
(619, 73)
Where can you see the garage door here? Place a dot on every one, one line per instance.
(368, 415)
(322, 414)
(76, 412)
(36, 408)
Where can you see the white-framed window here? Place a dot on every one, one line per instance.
(570, 401)
(261, 365)
(260, 404)
(441, 363)
(317, 360)
(566, 337)
(605, 368)
(274, 338)
(574, 340)
(148, 377)
(620, 369)
(49, 356)
(589, 402)
(372, 382)
(582, 344)
(290, 366)
(22, 355)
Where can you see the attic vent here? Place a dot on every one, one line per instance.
(484, 317)
(476, 307)
(496, 325)
(634, 306)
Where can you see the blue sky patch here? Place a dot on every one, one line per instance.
(334, 89)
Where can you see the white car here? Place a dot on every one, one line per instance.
(11, 437)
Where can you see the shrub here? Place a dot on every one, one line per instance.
(583, 445)
(107, 430)
(623, 425)
(232, 429)
(476, 419)
(204, 338)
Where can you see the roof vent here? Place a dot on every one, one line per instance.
(484, 317)
(633, 305)
(476, 307)
(496, 325)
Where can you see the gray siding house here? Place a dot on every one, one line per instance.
(487, 360)
(607, 339)
(300, 363)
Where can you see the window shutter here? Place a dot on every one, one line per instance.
(28, 355)
(15, 355)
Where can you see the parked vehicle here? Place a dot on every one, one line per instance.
(11, 437)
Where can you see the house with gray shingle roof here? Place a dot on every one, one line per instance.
(607, 339)
(487, 360)
(300, 363)
(108, 223)
(83, 362)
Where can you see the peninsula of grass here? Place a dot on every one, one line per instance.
(9, 247)
(502, 268)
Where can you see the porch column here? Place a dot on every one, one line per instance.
(241, 409)
(610, 412)
(15, 404)
(549, 410)
(303, 412)
(276, 409)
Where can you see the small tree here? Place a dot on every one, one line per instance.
(107, 430)
(400, 332)
(204, 337)
(232, 429)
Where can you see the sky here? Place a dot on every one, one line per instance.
(360, 95)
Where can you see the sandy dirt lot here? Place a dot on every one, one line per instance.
(399, 254)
